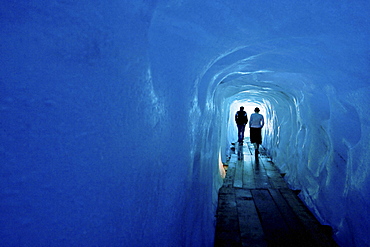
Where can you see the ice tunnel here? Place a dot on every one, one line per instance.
(115, 117)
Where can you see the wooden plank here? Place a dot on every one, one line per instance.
(298, 234)
(275, 179)
(240, 151)
(227, 227)
(286, 211)
(248, 174)
(310, 223)
(274, 226)
(260, 176)
(238, 179)
(229, 179)
(250, 226)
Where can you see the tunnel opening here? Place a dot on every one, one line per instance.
(264, 76)
(279, 107)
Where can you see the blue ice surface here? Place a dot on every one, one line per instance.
(115, 117)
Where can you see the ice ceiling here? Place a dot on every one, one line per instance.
(115, 117)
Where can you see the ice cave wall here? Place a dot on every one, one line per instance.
(113, 115)
(88, 154)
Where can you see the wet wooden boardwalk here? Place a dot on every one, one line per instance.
(256, 207)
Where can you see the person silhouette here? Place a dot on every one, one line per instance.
(256, 123)
(241, 119)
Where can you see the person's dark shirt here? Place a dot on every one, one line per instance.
(241, 118)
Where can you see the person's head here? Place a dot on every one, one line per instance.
(257, 109)
(242, 108)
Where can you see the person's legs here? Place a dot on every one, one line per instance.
(258, 139)
(241, 129)
(255, 135)
(242, 134)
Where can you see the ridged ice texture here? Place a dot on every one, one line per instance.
(114, 115)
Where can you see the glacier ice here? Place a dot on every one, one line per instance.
(116, 118)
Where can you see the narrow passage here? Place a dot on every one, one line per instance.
(257, 208)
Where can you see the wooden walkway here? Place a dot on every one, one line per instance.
(256, 207)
